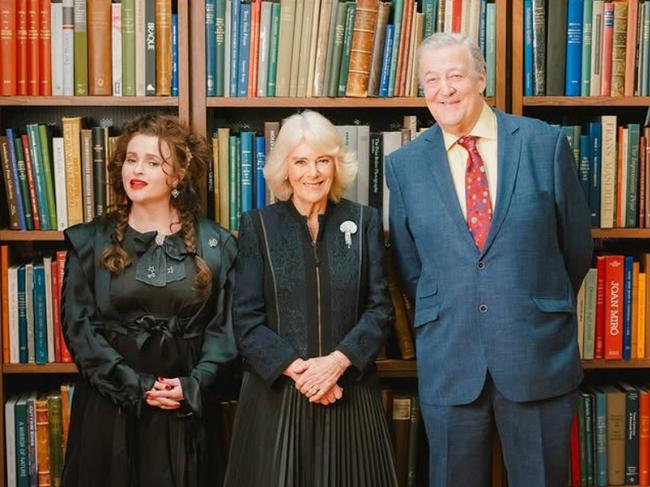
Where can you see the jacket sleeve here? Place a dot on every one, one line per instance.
(218, 340)
(573, 215)
(265, 351)
(362, 343)
(100, 364)
(405, 253)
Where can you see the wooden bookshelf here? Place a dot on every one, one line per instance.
(30, 235)
(321, 102)
(613, 233)
(89, 101)
(586, 101)
(58, 368)
(643, 363)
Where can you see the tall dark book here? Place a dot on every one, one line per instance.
(556, 46)
(376, 168)
(539, 47)
(99, 168)
(150, 48)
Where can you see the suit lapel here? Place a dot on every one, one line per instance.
(509, 155)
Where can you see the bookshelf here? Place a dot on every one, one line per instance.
(16, 111)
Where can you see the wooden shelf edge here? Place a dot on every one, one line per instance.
(58, 368)
(30, 235)
(396, 368)
(640, 363)
(320, 102)
(586, 101)
(620, 232)
(89, 101)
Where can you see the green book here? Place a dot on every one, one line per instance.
(80, 49)
(337, 49)
(587, 15)
(633, 140)
(429, 9)
(128, 47)
(233, 189)
(22, 177)
(398, 6)
(46, 151)
(39, 176)
(273, 50)
(347, 48)
(220, 54)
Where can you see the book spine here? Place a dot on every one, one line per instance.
(363, 40)
(273, 50)
(128, 47)
(68, 48)
(33, 45)
(8, 72)
(22, 144)
(337, 48)
(150, 47)
(346, 50)
(21, 47)
(210, 48)
(80, 49)
(45, 48)
(163, 47)
(20, 182)
(174, 88)
(46, 155)
(260, 162)
(38, 169)
(587, 15)
(573, 48)
(56, 52)
(244, 49)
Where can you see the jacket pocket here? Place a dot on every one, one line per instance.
(428, 305)
(564, 304)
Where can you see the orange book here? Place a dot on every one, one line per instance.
(33, 59)
(43, 442)
(644, 436)
(363, 39)
(21, 47)
(163, 47)
(66, 356)
(404, 32)
(404, 48)
(100, 73)
(4, 289)
(614, 282)
(8, 48)
(45, 48)
(253, 58)
(630, 46)
(456, 15)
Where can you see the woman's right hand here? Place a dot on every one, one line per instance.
(330, 397)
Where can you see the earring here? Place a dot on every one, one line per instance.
(175, 193)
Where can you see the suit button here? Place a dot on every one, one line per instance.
(483, 308)
(480, 265)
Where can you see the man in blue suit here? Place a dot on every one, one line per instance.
(491, 237)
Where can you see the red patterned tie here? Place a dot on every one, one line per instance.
(477, 193)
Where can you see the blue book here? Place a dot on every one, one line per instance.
(246, 170)
(23, 356)
(491, 48)
(627, 309)
(385, 63)
(210, 48)
(174, 54)
(528, 48)
(260, 161)
(39, 176)
(22, 442)
(573, 48)
(40, 315)
(234, 48)
(244, 48)
(21, 198)
(595, 135)
(583, 165)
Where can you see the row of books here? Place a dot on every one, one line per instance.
(610, 438)
(332, 48)
(88, 47)
(36, 432)
(52, 182)
(31, 310)
(612, 164)
(236, 182)
(586, 48)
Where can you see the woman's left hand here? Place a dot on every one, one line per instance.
(165, 393)
(322, 375)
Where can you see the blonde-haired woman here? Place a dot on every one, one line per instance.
(311, 310)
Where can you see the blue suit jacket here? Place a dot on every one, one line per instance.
(509, 309)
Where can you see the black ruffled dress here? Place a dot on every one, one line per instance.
(126, 330)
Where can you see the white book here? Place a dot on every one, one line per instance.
(68, 47)
(392, 142)
(12, 294)
(312, 47)
(580, 318)
(474, 19)
(60, 192)
(363, 159)
(116, 42)
(226, 43)
(295, 60)
(10, 440)
(449, 7)
(140, 47)
(263, 53)
(47, 270)
(56, 29)
(596, 47)
(349, 134)
(29, 311)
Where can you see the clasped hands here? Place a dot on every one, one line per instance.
(316, 378)
(165, 394)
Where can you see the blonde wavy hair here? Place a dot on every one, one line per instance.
(321, 135)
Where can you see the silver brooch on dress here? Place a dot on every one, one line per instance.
(160, 239)
(348, 228)
(213, 242)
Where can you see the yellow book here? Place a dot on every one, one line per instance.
(634, 334)
(215, 175)
(640, 330)
(223, 135)
(72, 151)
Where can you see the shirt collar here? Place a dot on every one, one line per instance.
(485, 128)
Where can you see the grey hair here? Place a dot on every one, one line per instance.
(444, 39)
(322, 136)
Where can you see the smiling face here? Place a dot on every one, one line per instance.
(146, 175)
(310, 175)
(452, 88)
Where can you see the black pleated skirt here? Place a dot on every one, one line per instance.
(281, 439)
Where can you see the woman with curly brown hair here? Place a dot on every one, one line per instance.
(146, 315)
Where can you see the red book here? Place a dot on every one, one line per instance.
(575, 453)
(21, 47)
(45, 48)
(31, 184)
(644, 436)
(456, 15)
(8, 48)
(66, 357)
(33, 61)
(599, 342)
(614, 298)
(608, 40)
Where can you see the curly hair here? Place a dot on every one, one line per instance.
(189, 156)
